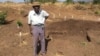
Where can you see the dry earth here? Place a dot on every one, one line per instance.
(69, 32)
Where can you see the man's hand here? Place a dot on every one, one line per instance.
(30, 29)
(31, 33)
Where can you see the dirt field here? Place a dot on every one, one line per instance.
(69, 32)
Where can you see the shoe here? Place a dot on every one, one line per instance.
(43, 54)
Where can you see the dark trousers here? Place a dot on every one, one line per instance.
(38, 34)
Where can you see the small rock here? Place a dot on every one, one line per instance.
(25, 43)
(59, 53)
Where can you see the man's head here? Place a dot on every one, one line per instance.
(36, 7)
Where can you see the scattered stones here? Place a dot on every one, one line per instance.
(98, 19)
(72, 16)
(24, 43)
(65, 18)
(59, 53)
(22, 34)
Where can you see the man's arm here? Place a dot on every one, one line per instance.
(29, 22)
(30, 28)
(46, 17)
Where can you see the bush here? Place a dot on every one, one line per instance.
(96, 1)
(19, 23)
(3, 16)
(68, 1)
(82, 2)
(22, 12)
(80, 7)
(54, 1)
(97, 12)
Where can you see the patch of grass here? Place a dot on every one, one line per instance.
(22, 12)
(97, 12)
(19, 23)
(3, 15)
(82, 2)
(84, 43)
(80, 7)
(96, 1)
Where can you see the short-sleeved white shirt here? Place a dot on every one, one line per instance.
(34, 18)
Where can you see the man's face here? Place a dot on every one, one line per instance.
(36, 9)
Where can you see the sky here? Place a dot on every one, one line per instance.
(23, 0)
(12, 0)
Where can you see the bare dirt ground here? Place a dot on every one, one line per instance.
(69, 32)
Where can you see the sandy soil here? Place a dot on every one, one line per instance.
(69, 32)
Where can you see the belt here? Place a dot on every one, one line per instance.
(39, 25)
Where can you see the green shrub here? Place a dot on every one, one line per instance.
(3, 16)
(22, 12)
(41, 1)
(80, 7)
(68, 1)
(54, 1)
(82, 2)
(19, 23)
(96, 1)
(97, 12)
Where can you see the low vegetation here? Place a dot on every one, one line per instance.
(3, 16)
(19, 23)
(97, 12)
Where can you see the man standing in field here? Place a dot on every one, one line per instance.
(36, 21)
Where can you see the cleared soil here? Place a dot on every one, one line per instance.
(69, 32)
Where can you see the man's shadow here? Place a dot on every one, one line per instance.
(47, 39)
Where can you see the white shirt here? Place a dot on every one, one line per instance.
(34, 18)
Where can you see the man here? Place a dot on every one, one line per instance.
(36, 21)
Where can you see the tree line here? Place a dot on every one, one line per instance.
(54, 1)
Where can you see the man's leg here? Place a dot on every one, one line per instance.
(42, 39)
(36, 35)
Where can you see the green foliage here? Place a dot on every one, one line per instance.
(28, 1)
(9, 2)
(69, 1)
(22, 12)
(19, 23)
(84, 43)
(3, 16)
(96, 1)
(97, 12)
(42, 1)
(82, 2)
(80, 7)
(54, 1)
(31, 1)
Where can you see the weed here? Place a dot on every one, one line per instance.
(84, 43)
(97, 12)
(19, 24)
(22, 12)
(80, 7)
(3, 16)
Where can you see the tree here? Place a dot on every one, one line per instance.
(96, 1)
(29, 1)
(53, 1)
(69, 1)
(26, 1)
